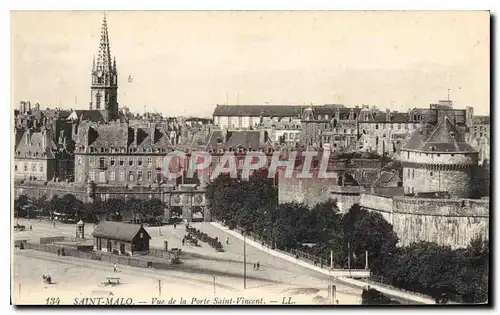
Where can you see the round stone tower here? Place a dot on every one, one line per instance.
(436, 159)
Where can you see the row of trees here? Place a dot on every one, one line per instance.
(71, 208)
(423, 267)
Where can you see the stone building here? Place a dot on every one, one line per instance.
(251, 116)
(479, 137)
(119, 153)
(436, 159)
(37, 157)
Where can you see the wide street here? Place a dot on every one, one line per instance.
(201, 265)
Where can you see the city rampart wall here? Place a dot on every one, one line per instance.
(453, 222)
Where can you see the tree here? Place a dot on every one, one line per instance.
(114, 208)
(69, 206)
(369, 231)
(20, 204)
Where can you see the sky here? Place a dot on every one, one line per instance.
(184, 63)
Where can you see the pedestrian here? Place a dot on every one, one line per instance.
(54, 224)
(175, 225)
(258, 266)
(114, 268)
(183, 240)
(254, 266)
(31, 227)
(227, 241)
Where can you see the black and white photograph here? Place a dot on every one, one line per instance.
(250, 158)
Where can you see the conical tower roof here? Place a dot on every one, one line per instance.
(103, 62)
(441, 138)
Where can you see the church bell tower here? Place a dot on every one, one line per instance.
(104, 87)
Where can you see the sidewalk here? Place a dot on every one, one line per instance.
(358, 283)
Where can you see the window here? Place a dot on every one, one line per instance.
(92, 175)
(122, 175)
(122, 162)
(430, 173)
(41, 167)
(98, 95)
(376, 126)
(139, 161)
(92, 161)
(101, 162)
(139, 175)
(25, 167)
(102, 177)
(80, 162)
(150, 175)
(112, 161)
(438, 154)
(131, 176)
(15, 167)
(150, 161)
(158, 163)
(452, 154)
(33, 167)
(131, 161)
(413, 174)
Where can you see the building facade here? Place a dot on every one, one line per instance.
(120, 153)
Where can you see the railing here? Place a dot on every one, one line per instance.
(307, 257)
(159, 253)
(101, 256)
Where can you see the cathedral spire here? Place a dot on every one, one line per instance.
(104, 57)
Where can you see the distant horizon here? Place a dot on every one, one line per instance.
(185, 63)
(42, 107)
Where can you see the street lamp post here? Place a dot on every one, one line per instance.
(244, 260)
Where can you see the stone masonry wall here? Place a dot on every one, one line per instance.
(308, 191)
(453, 222)
(459, 183)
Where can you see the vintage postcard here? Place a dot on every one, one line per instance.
(250, 157)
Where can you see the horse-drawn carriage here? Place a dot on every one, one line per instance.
(189, 238)
(47, 279)
(19, 227)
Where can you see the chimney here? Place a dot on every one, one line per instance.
(29, 106)
(61, 137)
(224, 135)
(74, 130)
(28, 136)
(387, 115)
(44, 136)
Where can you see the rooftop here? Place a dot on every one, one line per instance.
(441, 138)
(118, 231)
